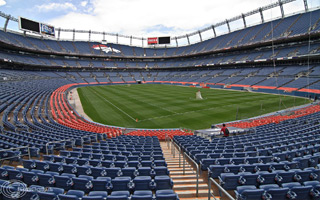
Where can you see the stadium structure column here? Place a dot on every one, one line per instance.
(281, 8)
(306, 5)
(6, 24)
(227, 22)
(131, 40)
(89, 35)
(74, 34)
(200, 35)
(59, 30)
(176, 41)
(117, 38)
(244, 21)
(188, 38)
(214, 31)
(261, 15)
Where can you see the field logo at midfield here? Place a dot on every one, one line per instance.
(105, 48)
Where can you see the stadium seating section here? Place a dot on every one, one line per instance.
(61, 155)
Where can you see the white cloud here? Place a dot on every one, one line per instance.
(56, 7)
(138, 17)
(3, 2)
(83, 3)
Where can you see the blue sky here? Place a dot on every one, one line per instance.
(141, 18)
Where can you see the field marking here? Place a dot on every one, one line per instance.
(154, 105)
(193, 111)
(115, 106)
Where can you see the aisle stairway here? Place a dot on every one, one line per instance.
(183, 184)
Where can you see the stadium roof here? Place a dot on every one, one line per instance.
(144, 18)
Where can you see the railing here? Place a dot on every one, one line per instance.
(179, 148)
(16, 149)
(197, 171)
(221, 189)
(57, 142)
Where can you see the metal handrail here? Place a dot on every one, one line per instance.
(14, 149)
(210, 194)
(56, 142)
(179, 148)
(197, 186)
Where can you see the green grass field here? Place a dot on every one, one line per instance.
(166, 106)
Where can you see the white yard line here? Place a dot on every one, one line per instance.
(115, 106)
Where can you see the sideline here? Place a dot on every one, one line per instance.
(76, 103)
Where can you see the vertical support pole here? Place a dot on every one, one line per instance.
(131, 40)
(200, 36)
(59, 30)
(261, 15)
(305, 2)
(227, 22)
(244, 21)
(188, 39)
(74, 34)
(281, 8)
(89, 35)
(177, 42)
(214, 31)
(6, 24)
(117, 38)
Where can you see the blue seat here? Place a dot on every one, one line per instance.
(84, 170)
(216, 170)
(51, 193)
(16, 174)
(142, 195)
(166, 195)
(4, 174)
(101, 194)
(248, 178)
(303, 162)
(222, 161)
(248, 192)
(95, 163)
(47, 179)
(130, 172)
(56, 167)
(206, 162)
(83, 184)
(42, 165)
(315, 192)
(229, 181)
(237, 161)
(98, 172)
(122, 183)
(29, 164)
(247, 168)
(106, 163)
(64, 181)
(297, 191)
(72, 195)
(32, 192)
(70, 168)
(230, 168)
(284, 176)
(159, 163)
(163, 182)
(273, 191)
(30, 177)
(113, 172)
(265, 177)
(119, 195)
(161, 170)
(146, 171)
(144, 183)
(101, 184)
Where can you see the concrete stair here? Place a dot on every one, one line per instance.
(184, 184)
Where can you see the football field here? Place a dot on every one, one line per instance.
(166, 106)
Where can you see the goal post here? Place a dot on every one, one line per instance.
(198, 95)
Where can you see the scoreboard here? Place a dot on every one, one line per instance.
(36, 27)
(158, 40)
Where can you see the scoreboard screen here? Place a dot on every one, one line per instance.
(158, 40)
(29, 25)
